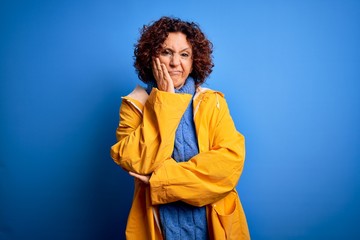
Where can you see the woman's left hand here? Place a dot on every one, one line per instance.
(144, 178)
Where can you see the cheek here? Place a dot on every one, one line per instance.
(189, 67)
(164, 60)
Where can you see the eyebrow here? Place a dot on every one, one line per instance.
(185, 49)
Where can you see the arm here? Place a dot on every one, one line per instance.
(146, 140)
(208, 176)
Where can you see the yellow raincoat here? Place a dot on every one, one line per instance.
(146, 135)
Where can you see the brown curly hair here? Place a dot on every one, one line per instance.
(153, 36)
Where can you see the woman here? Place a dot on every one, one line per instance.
(179, 141)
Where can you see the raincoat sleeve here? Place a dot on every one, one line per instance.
(146, 133)
(208, 176)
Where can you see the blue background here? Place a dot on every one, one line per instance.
(290, 71)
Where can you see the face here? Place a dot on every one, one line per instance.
(176, 54)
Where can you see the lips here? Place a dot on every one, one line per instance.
(175, 73)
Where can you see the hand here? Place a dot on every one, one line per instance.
(144, 178)
(162, 76)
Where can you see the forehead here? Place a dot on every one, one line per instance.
(177, 41)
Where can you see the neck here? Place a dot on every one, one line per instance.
(188, 87)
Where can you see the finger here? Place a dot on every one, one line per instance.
(155, 69)
(153, 65)
(161, 81)
(137, 175)
(143, 178)
(159, 69)
(165, 72)
(166, 76)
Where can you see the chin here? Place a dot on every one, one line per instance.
(178, 84)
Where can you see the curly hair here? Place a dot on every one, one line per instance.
(150, 45)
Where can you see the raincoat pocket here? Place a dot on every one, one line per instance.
(223, 216)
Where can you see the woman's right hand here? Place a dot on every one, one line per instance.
(162, 76)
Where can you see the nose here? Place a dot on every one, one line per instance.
(175, 60)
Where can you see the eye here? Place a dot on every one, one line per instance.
(185, 55)
(166, 52)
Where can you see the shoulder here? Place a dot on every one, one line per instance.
(207, 93)
(207, 97)
(139, 94)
